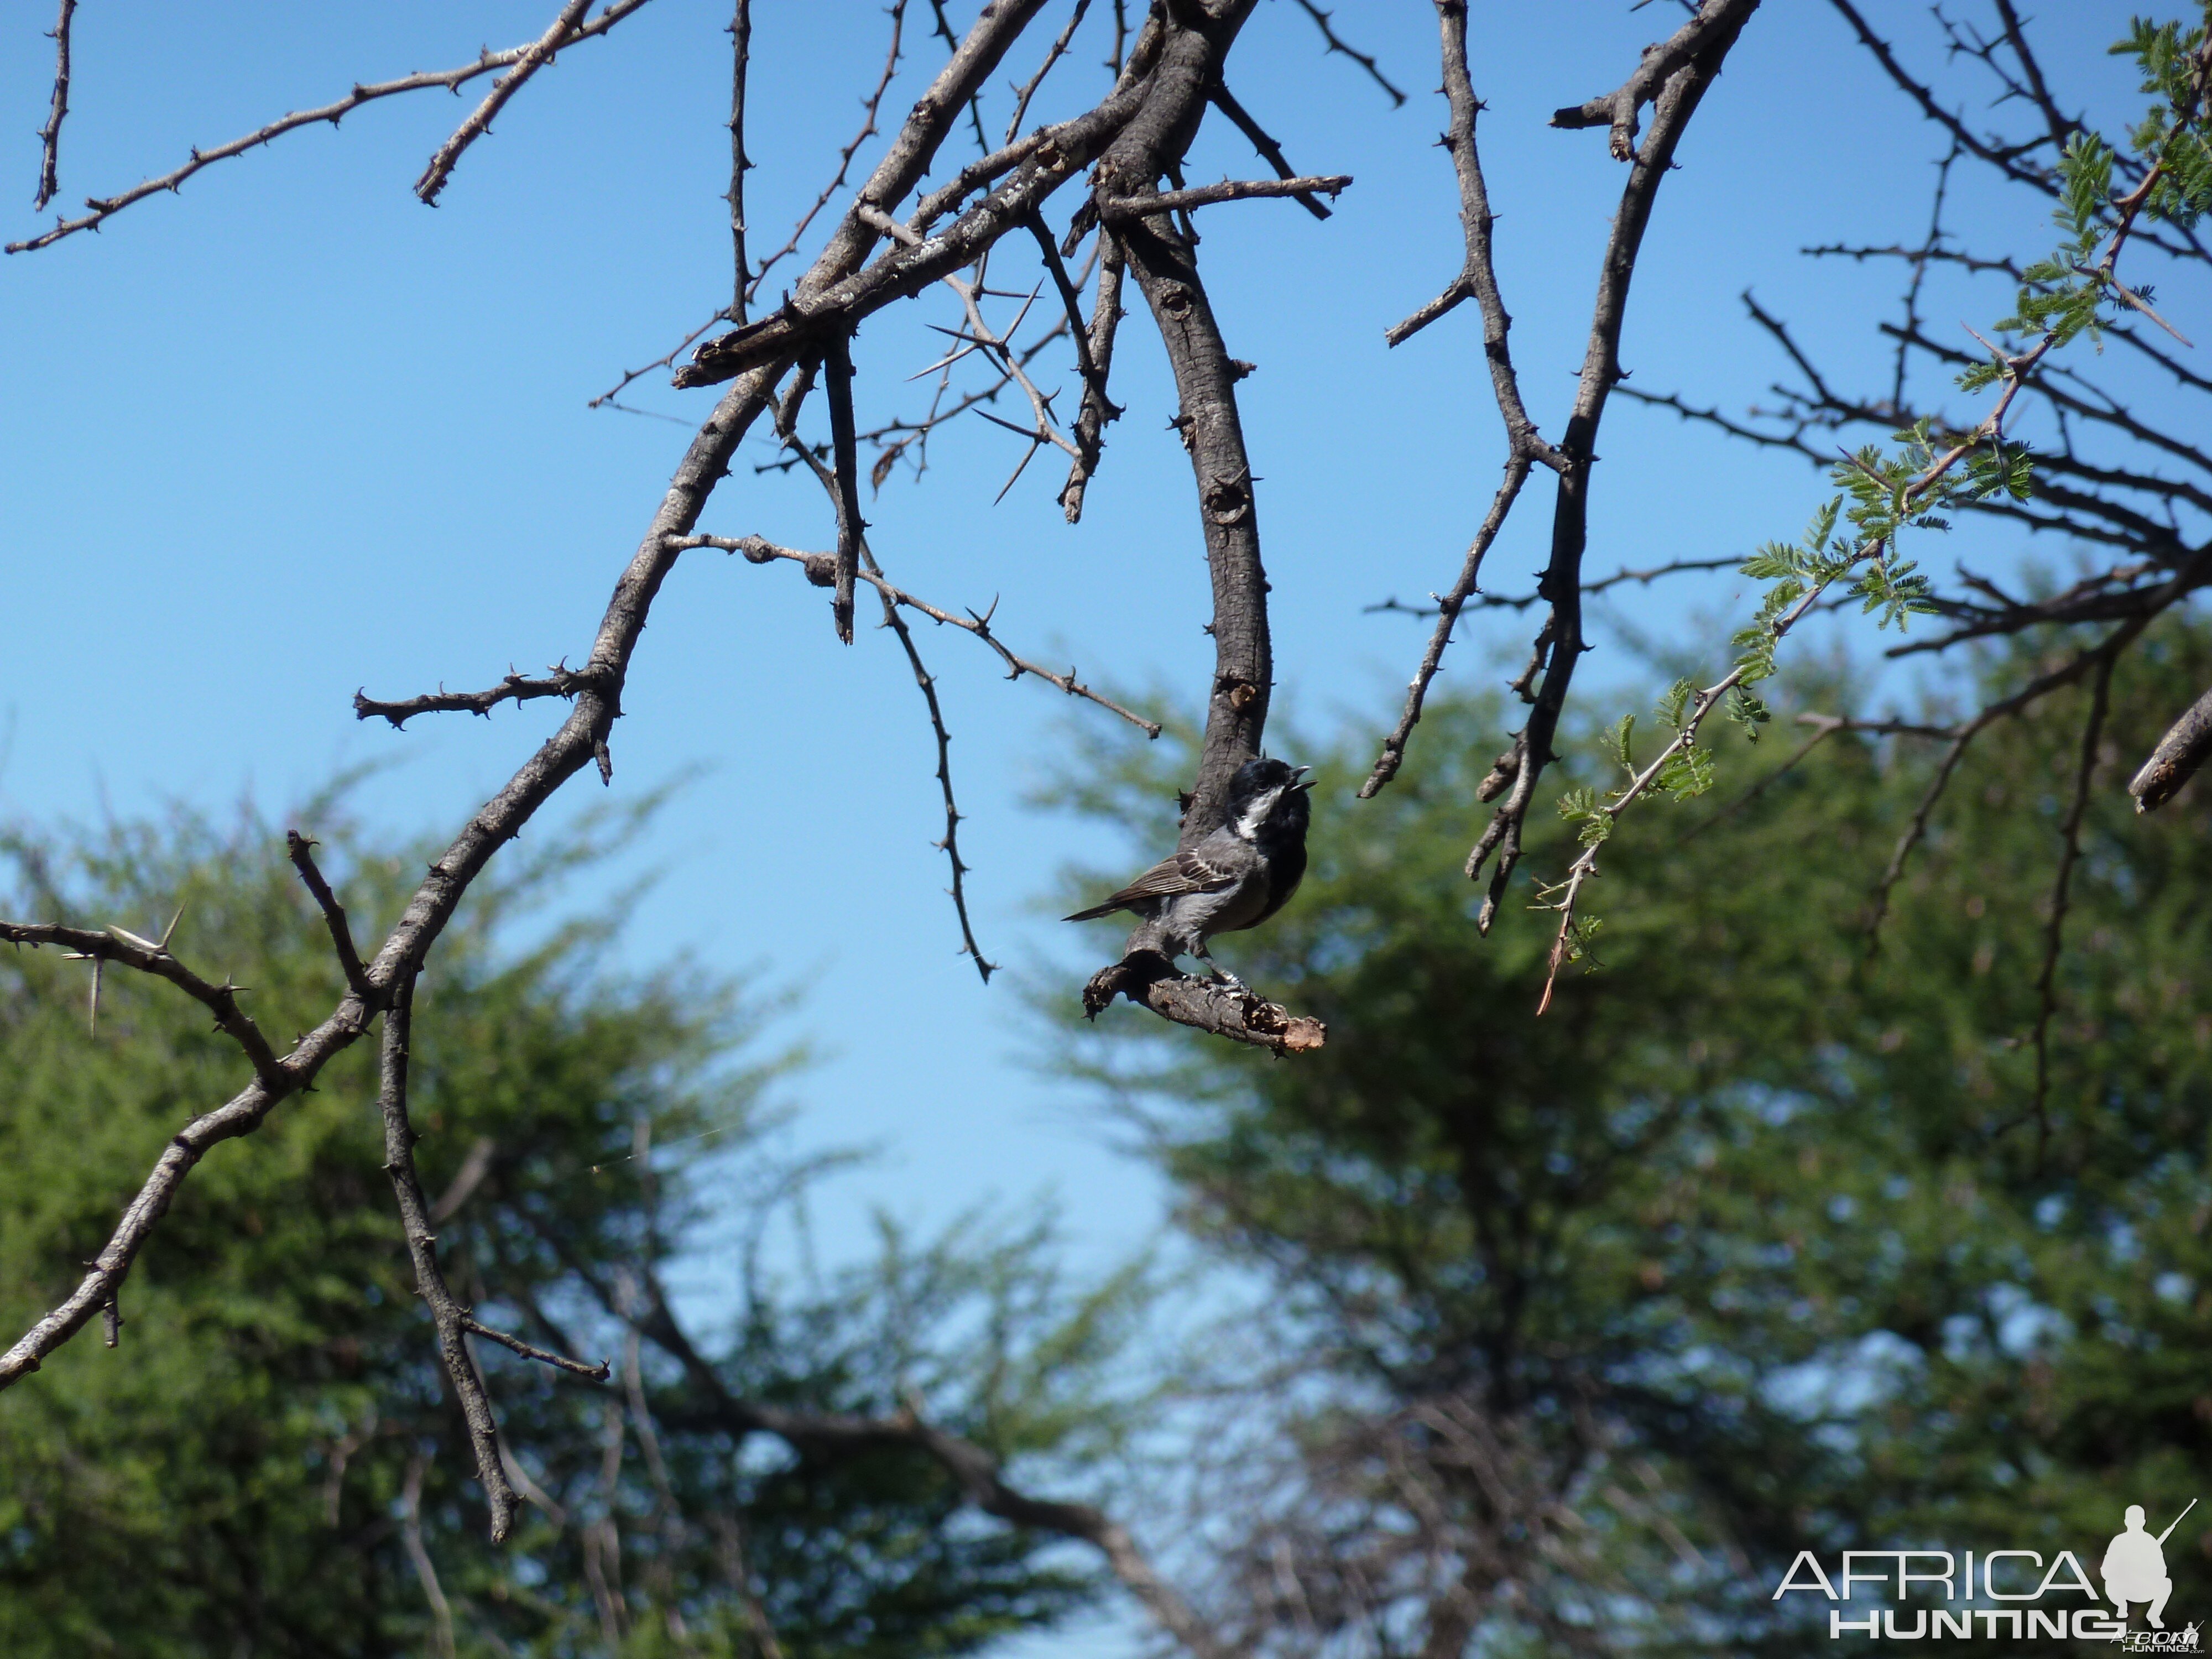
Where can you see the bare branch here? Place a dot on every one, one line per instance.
(534, 57)
(104, 208)
(741, 45)
(1204, 1005)
(598, 1373)
(452, 1319)
(951, 845)
(1098, 407)
(1521, 601)
(561, 681)
(1620, 108)
(303, 860)
(606, 399)
(2175, 761)
(1449, 606)
(1058, 51)
(1327, 33)
(845, 486)
(49, 135)
(152, 956)
(1228, 190)
(1166, 269)
(818, 567)
(1269, 150)
(826, 1434)
(844, 294)
(1477, 280)
(1165, 262)
(1715, 30)
(975, 94)
(581, 740)
(1072, 301)
(896, 437)
(2007, 159)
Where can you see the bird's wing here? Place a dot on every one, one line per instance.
(1188, 871)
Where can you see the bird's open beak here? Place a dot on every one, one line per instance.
(1299, 779)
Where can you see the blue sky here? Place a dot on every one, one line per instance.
(290, 433)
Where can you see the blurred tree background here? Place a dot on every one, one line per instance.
(272, 1463)
(1568, 1333)
(1579, 1327)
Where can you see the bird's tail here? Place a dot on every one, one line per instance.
(1094, 912)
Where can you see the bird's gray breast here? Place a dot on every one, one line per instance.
(1194, 917)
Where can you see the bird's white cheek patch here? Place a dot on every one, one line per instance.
(1257, 814)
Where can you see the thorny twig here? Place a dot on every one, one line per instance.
(2016, 370)
(1228, 190)
(454, 1322)
(894, 437)
(1269, 150)
(606, 399)
(154, 957)
(1522, 601)
(399, 1138)
(1096, 408)
(302, 853)
(49, 135)
(926, 683)
(1694, 57)
(818, 568)
(559, 681)
(1477, 281)
(741, 47)
(1336, 45)
(104, 208)
(844, 482)
(534, 57)
(872, 105)
(1028, 90)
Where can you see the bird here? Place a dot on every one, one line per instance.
(1236, 877)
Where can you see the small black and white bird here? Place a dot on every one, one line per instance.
(1236, 877)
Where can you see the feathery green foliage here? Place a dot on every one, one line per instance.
(232, 1479)
(1753, 1243)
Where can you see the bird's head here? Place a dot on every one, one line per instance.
(1269, 794)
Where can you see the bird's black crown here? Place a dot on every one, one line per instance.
(1256, 777)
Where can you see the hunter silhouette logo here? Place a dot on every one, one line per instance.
(1934, 1593)
(2135, 1567)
